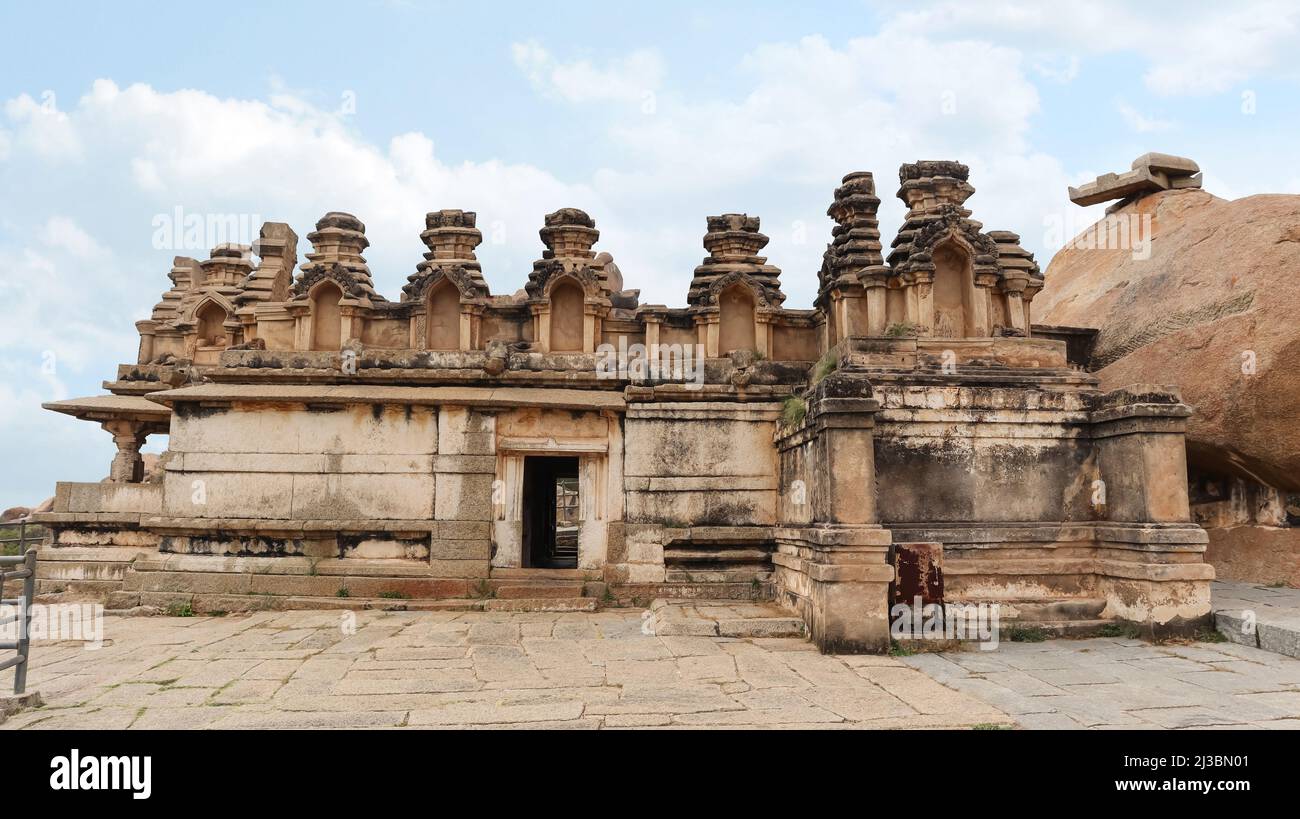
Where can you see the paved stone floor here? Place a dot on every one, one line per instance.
(1121, 683)
(300, 669)
(303, 669)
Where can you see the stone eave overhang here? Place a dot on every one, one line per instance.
(111, 408)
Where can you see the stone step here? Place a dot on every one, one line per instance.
(520, 590)
(723, 618)
(682, 574)
(761, 627)
(544, 604)
(1056, 628)
(298, 585)
(1276, 634)
(726, 556)
(745, 591)
(211, 603)
(544, 574)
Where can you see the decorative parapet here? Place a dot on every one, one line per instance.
(569, 235)
(935, 192)
(184, 273)
(929, 185)
(277, 251)
(733, 241)
(855, 249)
(451, 236)
(337, 243)
(1013, 260)
(229, 265)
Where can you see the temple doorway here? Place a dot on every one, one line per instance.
(550, 513)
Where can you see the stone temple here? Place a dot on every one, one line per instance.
(568, 447)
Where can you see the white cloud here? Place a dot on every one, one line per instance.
(1061, 68)
(1189, 48)
(633, 78)
(807, 113)
(1140, 122)
(41, 128)
(292, 162)
(61, 232)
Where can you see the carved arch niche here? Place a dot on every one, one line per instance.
(567, 316)
(736, 319)
(442, 316)
(954, 290)
(326, 317)
(210, 321)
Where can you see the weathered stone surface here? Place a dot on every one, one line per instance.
(1215, 295)
(334, 449)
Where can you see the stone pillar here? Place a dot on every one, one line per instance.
(463, 502)
(1141, 454)
(835, 570)
(651, 332)
(877, 307)
(1015, 304)
(925, 303)
(1151, 558)
(128, 466)
(148, 330)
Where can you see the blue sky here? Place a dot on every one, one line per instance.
(649, 116)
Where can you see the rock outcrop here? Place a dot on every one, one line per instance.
(1206, 298)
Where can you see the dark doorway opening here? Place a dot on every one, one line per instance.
(550, 513)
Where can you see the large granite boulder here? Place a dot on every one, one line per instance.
(1213, 308)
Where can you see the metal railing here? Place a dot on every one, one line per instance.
(17, 544)
(21, 615)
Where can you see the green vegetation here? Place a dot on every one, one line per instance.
(793, 410)
(1026, 634)
(33, 535)
(1209, 635)
(180, 609)
(343, 592)
(1126, 630)
(897, 649)
(394, 595)
(828, 364)
(901, 329)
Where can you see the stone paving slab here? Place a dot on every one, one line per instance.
(1121, 683)
(1266, 617)
(380, 669)
(376, 669)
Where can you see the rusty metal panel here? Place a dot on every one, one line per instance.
(918, 572)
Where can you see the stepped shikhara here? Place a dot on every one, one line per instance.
(458, 448)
